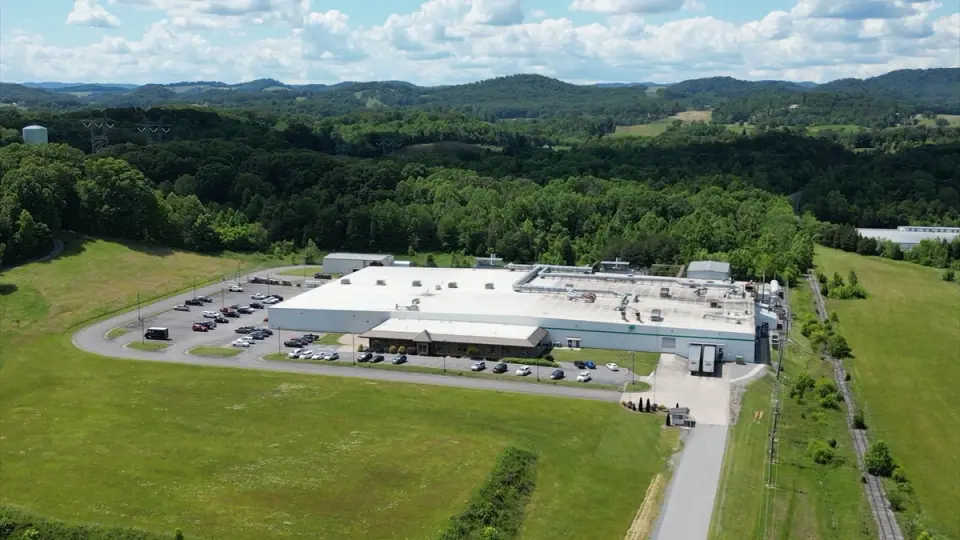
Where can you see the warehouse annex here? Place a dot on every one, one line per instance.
(523, 310)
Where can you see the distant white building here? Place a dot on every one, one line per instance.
(909, 237)
(709, 270)
(345, 263)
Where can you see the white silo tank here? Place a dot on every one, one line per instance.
(35, 135)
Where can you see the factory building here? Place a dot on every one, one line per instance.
(345, 263)
(522, 310)
(909, 237)
(709, 270)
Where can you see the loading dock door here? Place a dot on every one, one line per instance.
(694, 358)
(709, 358)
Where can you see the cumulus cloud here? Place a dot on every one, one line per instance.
(91, 13)
(451, 41)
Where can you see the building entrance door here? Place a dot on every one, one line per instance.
(573, 343)
(423, 349)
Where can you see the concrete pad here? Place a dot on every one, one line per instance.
(708, 397)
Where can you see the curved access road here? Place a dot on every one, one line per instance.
(93, 339)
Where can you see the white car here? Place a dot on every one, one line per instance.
(297, 353)
(318, 356)
(270, 300)
(584, 376)
(236, 288)
(181, 307)
(479, 365)
(241, 343)
(257, 296)
(523, 370)
(331, 356)
(210, 314)
(613, 367)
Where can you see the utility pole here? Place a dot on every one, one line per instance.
(279, 341)
(194, 287)
(538, 370)
(304, 268)
(633, 370)
(353, 343)
(140, 318)
(98, 127)
(222, 292)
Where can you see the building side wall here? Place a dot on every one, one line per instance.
(457, 349)
(707, 274)
(600, 335)
(337, 265)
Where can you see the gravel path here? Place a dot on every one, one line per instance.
(93, 339)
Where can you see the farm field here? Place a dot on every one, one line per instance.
(839, 128)
(952, 119)
(656, 128)
(815, 502)
(227, 453)
(906, 361)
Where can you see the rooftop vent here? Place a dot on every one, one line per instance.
(381, 282)
(452, 285)
(438, 287)
(417, 283)
(344, 281)
(489, 285)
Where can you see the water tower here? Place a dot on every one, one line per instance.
(35, 135)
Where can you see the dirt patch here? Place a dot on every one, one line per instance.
(646, 516)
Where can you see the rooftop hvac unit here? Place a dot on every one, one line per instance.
(452, 285)
(344, 281)
(417, 283)
(438, 287)
(489, 285)
(381, 282)
(664, 292)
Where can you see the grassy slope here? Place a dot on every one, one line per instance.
(906, 339)
(240, 454)
(812, 501)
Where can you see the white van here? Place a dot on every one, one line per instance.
(210, 314)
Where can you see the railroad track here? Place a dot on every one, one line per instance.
(887, 526)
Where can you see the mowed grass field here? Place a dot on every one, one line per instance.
(811, 501)
(906, 343)
(656, 128)
(230, 453)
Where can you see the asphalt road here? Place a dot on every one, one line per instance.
(688, 505)
(93, 339)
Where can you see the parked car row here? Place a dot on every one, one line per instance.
(307, 354)
(586, 364)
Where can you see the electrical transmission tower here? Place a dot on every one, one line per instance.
(388, 144)
(98, 127)
(154, 130)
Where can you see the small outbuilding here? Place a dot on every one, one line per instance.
(709, 270)
(346, 263)
(680, 416)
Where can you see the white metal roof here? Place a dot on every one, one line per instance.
(359, 256)
(709, 266)
(432, 298)
(458, 332)
(907, 237)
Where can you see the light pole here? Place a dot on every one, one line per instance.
(444, 363)
(304, 268)
(139, 318)
(353, 343)
(222, 293)
(279, 350)
(538, 371)
(633, 369)
(194, 287)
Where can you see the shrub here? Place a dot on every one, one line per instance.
(852, 278)
(361, 348)
(803, 383)
(832, 443)
(809, 327)
(897, 500)
(848, 292)
(834, 317)
(178, 535)
(837, 346)
(16, 524)
(402, 350)
(830, 401)
(826, 387)
(393, 349)
(949, 275)
(472, 350)
(496, 508)
(858, 420)
(821, 277)
(899, 475)
(821, 452)
(878, 460)
(837, 281)
(548, 358)
(846, 377)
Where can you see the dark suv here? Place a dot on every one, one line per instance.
(500, 368)
(193, 302)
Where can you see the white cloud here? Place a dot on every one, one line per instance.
(91, 13)
(449, 41)
(615, 7)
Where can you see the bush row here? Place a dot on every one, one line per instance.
(17, 524)
(495, 512)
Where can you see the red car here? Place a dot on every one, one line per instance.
(197, 327)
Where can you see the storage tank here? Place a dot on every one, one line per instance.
(35, 135)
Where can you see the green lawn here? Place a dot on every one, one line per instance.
(646, 362)
(299, 272)
(215, 351)
(153, 346)
(329, 339)
(117, 332)
(811, 501)
(906, 342)
(642, 130)
(952, 119)
(242, 454)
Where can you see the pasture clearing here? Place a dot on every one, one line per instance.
(906, 363)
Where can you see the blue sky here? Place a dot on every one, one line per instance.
(451, 41)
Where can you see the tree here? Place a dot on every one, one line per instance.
(431, 262)
(178, 535)
(837, 281)
(837, 346)
(949, 275)
(852, 279)
(648, 405)
(878, 460)
(834, 317)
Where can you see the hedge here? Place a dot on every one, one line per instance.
(16, 524)
(496, 508)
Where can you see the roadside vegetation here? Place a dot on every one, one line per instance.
(818, 495)
(904, 340)
(251, 460)
(218, 352)
(149, 346)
